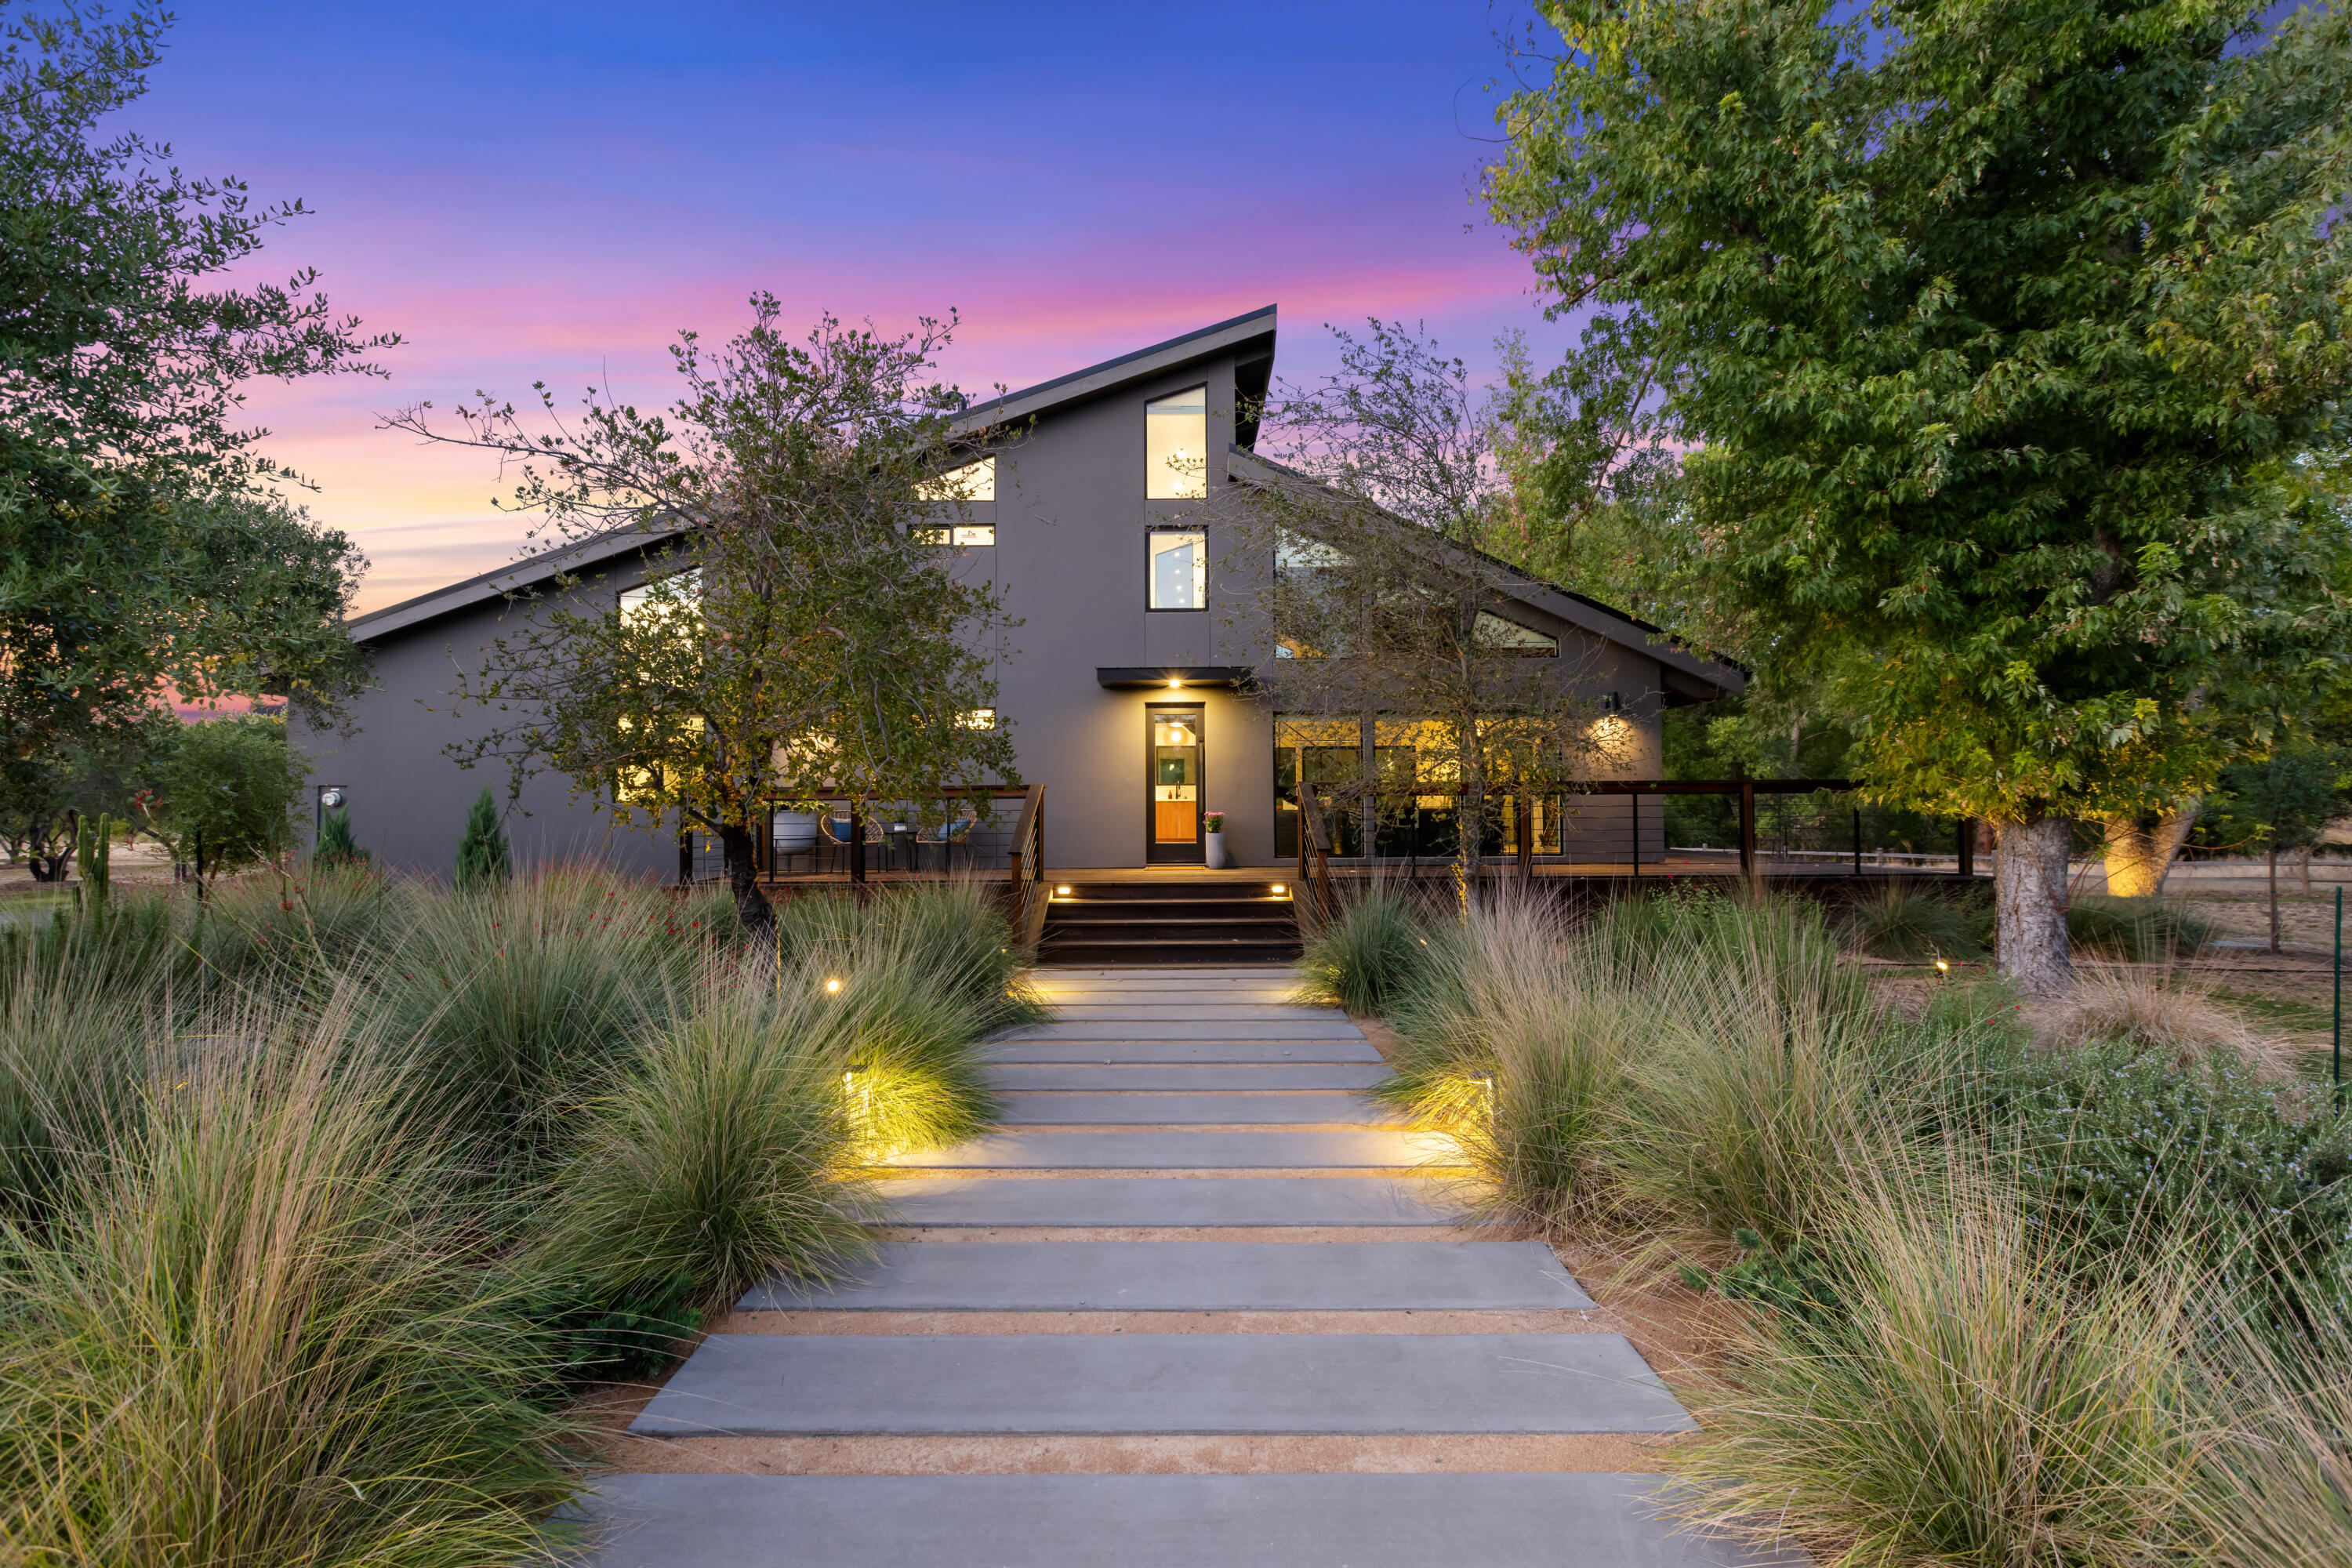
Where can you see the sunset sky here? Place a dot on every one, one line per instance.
(550, 193)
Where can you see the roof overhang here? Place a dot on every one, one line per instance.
(1171, 677)
(509, 581)
(1249, 338)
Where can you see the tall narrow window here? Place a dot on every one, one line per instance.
(1179, 569)
(1176, 447)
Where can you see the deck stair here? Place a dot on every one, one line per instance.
(1188, 921)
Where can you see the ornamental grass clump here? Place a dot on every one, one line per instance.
(2136, 931)
(73, 1055)
(1910, 924)
(1968, 1397)
(719, 1155)
(525, 993)
(260, 1337)
(1367, 954)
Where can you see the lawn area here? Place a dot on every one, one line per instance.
(328, 1202)
(1964, 1280)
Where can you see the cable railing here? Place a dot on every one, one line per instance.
(840, 840)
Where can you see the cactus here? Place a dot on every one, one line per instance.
(93, 847)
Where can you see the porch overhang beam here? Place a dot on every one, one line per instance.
(1169, 678)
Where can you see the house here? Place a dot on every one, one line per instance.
(1122, 679)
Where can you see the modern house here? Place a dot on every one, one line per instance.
(1124, 682)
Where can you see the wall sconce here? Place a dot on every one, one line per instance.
(1175, 685)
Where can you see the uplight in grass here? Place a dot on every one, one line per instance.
(833, 987)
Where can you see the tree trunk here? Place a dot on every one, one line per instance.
(2274, 923)
(2030, 905)
(743, 881)
(2140, 857)
(1469, 823)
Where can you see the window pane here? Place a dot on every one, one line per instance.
(973, 481)
(1179, 569)
(973, 537)
(1493, 633)
(1176, 446)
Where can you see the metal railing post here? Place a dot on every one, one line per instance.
(1748, 829)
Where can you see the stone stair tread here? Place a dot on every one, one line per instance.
(1533, 1520)
(1214, 1203)
(1205, 1078)
(1075, 1011)
(1160, 1149)
(1296, 1108)
(1119, 1385)
(1192, 1277)
(1330, 1053)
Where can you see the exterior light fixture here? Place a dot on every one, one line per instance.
(1061, 892)
(1943, 966)
(1174, 684)
(1279, 890)
(830, 988)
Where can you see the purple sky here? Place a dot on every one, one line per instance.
(535, 191)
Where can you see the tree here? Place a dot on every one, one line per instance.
(482, 858)
(137, 547)
(225, 793)
(1385, 607)
(2282, 802)
(805, 636)
(1993, 331)
(44, 797)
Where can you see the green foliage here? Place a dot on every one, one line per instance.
(336, 847)
(482, 858)
(2138, 931)
(715, 1156)
(1366, 952)
(1796, 1280)
(2138, 1156)
(802, 641)
(268, 1282)
(141, 549)
(227, 786)
(1905, 921)
(2281, 802)
(43, 793)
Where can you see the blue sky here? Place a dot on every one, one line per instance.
(539, 192)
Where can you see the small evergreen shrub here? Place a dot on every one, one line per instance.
(482, 858)
(336, 846)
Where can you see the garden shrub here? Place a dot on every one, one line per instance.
(1911, 924)
(1367, 953)
(261, 1338)
(2136, 931)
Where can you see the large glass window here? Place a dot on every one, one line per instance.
(1176, 446)
(1179, 569)
(1320, 751)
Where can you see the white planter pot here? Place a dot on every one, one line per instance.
(1216, 852)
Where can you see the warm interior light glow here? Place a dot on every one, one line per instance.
(831, 987)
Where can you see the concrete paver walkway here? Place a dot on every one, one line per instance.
(1184, 1140)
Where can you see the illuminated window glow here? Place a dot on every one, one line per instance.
(1179, 569)
(972, 482)
(1494, 633)
(1176, 446)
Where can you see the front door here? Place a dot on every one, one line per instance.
(1172, 815)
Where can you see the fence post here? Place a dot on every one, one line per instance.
(1857, 841)
(857, 843)
(1748, 829)
(1634, 800)
(1967, 858)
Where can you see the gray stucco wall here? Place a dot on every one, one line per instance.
(409, 800)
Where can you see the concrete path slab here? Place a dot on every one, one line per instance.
(1149, 1011)
(1358, 1051)
(1113, 1202)
(1156, 1149)
(1272, 1023)
(1205, 1078)
(1162, 974)
(758, 1385)
(1193, 1277)
(1295, 1109)
(1144, 1521)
